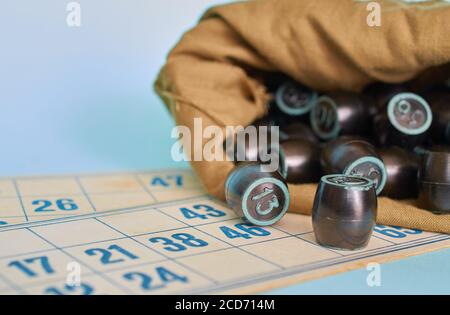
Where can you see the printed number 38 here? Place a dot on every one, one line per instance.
(185, 240)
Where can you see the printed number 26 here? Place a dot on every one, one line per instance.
(61, 204)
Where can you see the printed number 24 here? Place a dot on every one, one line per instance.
(164, 275)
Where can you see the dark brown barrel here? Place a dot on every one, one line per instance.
(344, 211)
(434, 182)
(340, 113)
(402, 169)
(302, 159)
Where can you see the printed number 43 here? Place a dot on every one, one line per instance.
(202, 212)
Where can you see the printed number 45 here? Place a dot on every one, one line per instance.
(61, 204)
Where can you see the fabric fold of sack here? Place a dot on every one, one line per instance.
(215, 71)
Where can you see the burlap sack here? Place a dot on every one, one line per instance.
(213, 71)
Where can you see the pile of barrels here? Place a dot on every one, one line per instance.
(385, 141)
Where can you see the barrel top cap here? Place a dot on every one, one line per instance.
(301, 100)
(348, 182)
(248, 197)
(367, 164)
(409, 113)
(327, 126)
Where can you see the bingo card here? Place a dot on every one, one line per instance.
(159, 233)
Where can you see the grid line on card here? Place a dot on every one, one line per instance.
(12, 216)
(19, 195)
(257, 278)
(77, 179)
(55, 217)
(175, 229)
(12, 285)
(62, 247)
(217, 250)
(66, 218)
(96, 272)
(160, 231)
(144, 186)
(310, 266)
(394, 247)
(30, 218)
(317, 245)
(81, 194)
(234, 246)
(106, 174)
(167, 257)
(312, 243)
(299, 236)
(296, 270)
(380, 238)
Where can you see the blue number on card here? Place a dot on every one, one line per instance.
(146, 281)
(248, 229)
(395, 231)
(82, 289)
(3, 223)
(25, 268)
(106, 254)
(187, 239)
(176, 179)
(208, 210)
(61, 204)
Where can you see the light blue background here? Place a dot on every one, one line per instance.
(81, 100)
